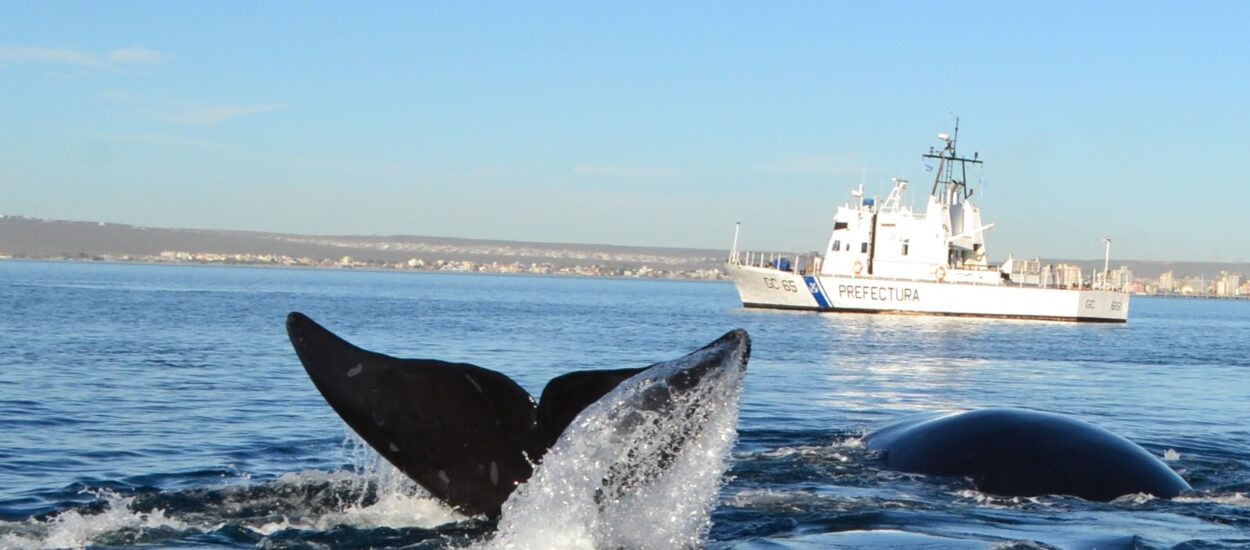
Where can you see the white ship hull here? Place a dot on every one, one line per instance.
(764, 287)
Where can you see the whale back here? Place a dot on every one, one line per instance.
(1017, 452)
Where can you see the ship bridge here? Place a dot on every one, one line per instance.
(945, 242)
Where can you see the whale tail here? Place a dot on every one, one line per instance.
(468, 435)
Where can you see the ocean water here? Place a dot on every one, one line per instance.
(162, 406)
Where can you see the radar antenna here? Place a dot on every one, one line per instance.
(953, 190)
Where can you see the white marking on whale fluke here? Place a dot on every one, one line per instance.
(628, 473)
(394, 448)
(442, 474)
(355, 370)
(474, 382)
(494, 473)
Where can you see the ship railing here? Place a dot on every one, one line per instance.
(789, 263)
(809, 264)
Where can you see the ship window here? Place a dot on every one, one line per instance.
(863, 247)
(839, 225)
(837, 245)
(906, 244)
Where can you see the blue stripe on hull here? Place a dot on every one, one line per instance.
(813, 285)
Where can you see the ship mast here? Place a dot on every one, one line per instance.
(953, 190)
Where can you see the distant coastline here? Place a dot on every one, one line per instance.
(31, 238)
(6, 258)
(39, 239)
(1194, 296)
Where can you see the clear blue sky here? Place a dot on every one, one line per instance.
(637, 123)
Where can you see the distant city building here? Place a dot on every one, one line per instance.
(1196, 286)
(1119, 279)
(1167, 282)
(1228, 284)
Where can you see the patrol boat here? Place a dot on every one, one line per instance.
(888, 258)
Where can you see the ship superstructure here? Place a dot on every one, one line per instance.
(885, 256)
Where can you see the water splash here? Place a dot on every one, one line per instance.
(115, 524)
(1238, 500)
(371, 494)
(358, 501)
(397, 500)
(640, 468)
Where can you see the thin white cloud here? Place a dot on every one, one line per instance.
(817, 165)
(55, 56)
(114, 59)
(614, 171)
(136, 56)
(213, 115)
(158, 139)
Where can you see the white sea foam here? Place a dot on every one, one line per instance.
(625, 476)
(375, 495)
(824, 452)
(774, 499)
(849, 443)
(381, 496)
(394, 511)
(1022, 545)
(73, 529)
(1003, 501)
(833, 450)
(400, 501)
(377, 498)
(1239, 500)
(1134, 499)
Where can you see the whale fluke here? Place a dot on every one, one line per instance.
(467, 434)
(1017, 452)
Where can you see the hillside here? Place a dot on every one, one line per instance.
(22, 237)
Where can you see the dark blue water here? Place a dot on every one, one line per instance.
(162, 406)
